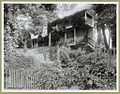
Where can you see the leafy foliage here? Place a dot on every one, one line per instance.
(75, 69)
(86, 71)
(19, 19)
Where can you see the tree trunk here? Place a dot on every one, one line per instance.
(107, 47)
(105, 39)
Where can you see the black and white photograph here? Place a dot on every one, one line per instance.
(60, 46)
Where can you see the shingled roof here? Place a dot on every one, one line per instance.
(77, 19)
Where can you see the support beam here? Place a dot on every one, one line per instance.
(49, 39)
(74, 35)
(65, 36)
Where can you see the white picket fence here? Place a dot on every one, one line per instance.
(20, 79)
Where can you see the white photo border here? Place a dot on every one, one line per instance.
(57, 2)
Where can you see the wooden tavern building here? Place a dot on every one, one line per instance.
(77, 30)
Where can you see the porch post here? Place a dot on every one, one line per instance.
(65, 36)
(49, 39)
(74, 35)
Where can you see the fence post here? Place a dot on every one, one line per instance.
(11, 84)
(9, 80)
(18, 78)
(26, 80)
(36, 80)
(12, 78)
(20, 83)
(5, 78)
(33, 81)
(15, 79)
(22, 79)
(30, 78)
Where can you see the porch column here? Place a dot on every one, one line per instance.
(49, 39)
(74, 35)
(65, 36)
